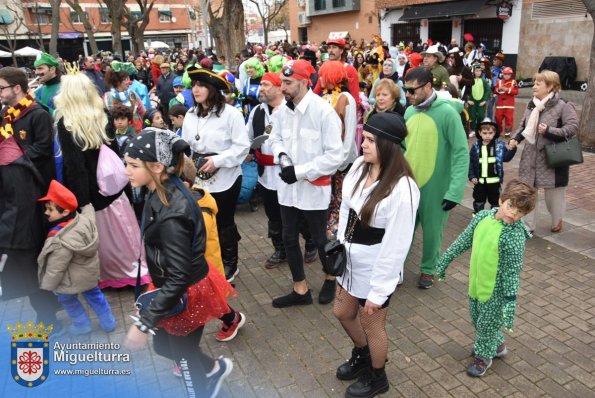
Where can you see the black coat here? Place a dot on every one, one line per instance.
(80, 171)
(174, 258)
(34, 132)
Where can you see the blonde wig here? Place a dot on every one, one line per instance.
(81, 108)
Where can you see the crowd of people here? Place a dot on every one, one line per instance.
(344, 142)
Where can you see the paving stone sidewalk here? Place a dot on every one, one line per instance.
(294, 352)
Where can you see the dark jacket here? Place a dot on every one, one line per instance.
(34, 133)
(174, 258)
(97, 79)
(165, 88)
(80, 172)
(496, 148)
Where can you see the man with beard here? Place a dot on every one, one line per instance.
(26, 168)
(336, 52)
(437, 153)
(306, 142)
(260, 123)
(48, 71)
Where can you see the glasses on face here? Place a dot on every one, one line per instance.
(411, 90)
(3, 87)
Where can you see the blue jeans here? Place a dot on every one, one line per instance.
(77, 312)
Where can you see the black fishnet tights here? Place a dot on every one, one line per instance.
(363, 329)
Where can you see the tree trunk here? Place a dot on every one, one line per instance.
(55, 26)
(265, 29)
(84, 17)
(229, 40)
(117, 37)
(586, 132)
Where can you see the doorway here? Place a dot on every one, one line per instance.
(440, 31)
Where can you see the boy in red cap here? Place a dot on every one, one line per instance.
(69, 260)
(506, 89)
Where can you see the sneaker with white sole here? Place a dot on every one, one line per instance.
(479, 367)
(227, 333)
(215, 380)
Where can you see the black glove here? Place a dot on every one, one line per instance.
(287, 174)
(448, 205)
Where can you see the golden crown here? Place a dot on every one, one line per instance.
(72, 68)
(30, 331)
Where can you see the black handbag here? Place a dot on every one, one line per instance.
(199, 160)
(565, 153)
(335, 253)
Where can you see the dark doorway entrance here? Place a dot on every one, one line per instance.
(487, 31)
(440, 31)
(302, 35)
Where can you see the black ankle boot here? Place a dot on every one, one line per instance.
(369, 384)
(358, 363)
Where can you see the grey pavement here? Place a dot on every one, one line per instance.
(294, 352)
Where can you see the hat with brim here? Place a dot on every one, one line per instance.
(206, 76)
(336, 42)
(433, 50)
(490, 122)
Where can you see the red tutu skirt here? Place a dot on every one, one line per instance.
(207, 300)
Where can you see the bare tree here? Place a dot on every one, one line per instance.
(116, 15)
(87, 24)
(223, 23)
(55, 26)
(37, 33)
(586, 132)
(10, 31)
(136, 24)
(281, 21)
(268, 11)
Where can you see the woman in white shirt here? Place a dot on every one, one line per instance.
(219, 142)
(376, 224)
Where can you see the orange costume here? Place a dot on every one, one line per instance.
(506, 89)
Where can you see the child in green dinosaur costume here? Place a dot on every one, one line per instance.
(497, 240)
(437, 153)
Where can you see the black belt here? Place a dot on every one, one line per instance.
(361, 235)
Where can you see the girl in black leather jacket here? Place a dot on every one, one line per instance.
(174, 236)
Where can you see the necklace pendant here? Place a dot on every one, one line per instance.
(268, 128)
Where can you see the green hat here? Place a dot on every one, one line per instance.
(46, 59)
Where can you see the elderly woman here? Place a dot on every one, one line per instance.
(389, 71)
(402, 66)
(386, 98)
(548, 119)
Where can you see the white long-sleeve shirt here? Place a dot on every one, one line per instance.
(349, 145)
(270, 177)
(310, 135)
(225, 135)
(373, 271)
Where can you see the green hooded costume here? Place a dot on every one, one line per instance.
(437, 152)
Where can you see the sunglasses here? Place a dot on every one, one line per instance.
(411, 90)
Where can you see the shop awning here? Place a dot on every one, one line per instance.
(6, 17)
(442, 10)
(163, 12)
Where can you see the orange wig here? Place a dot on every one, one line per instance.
(333, 72)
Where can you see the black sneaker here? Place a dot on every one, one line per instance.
(292, 299)
(368, 385)
(214, 381)
(501, 351)
(479, 367)
(276, 259)
(359, 363)
(231, 273)
(327, 291)
(310, 255)
(425, 281)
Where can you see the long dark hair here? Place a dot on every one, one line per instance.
(215, 101)
(393, 166)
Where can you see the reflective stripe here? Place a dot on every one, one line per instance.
(485, 160)
(489, 180)
(504, 107)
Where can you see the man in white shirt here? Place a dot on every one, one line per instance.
(260, 123)
(306, 141)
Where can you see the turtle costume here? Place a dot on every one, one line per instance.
(497, 250)
(437, 152)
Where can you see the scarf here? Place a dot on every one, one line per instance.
(123, 97)
(424, 106)
(58, 225)
(12, 114)
(394, 76)
(531, 126)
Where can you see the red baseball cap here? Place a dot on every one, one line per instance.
(507, 71)
(61, 196)
(337, 42)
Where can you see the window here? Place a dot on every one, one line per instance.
(338, 3)
(41, 17)
(104, 15)
(164, 16)
(319, 5)
(75, 17)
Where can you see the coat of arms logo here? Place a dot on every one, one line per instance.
(29, 354)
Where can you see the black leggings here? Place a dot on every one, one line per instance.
(226, 204)
(194, 363)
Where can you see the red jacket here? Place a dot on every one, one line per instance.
(506, 98)
(155, 72)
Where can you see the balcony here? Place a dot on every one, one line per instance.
(325, 7)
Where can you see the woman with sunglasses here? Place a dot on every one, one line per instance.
(219, 142)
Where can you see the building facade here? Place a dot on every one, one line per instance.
(314, 20)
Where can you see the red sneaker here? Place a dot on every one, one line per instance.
(227, 333)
